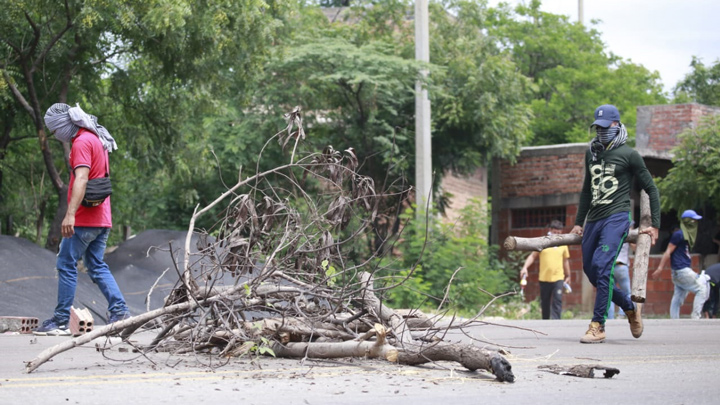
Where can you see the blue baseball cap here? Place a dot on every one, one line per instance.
(606, 115)
(691, 214)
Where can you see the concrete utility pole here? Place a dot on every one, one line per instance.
(423, 145)
(580, 11)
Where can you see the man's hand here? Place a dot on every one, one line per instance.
(68, 226)
(656, 273)
(577, 230)
(523, 273)
(653, 232)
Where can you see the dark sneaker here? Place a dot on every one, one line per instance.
(51, 328)
(635, 320)
(118, 317)
(594, 334)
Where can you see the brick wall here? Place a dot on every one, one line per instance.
(538, 172)
(464, 188)
(659, 125)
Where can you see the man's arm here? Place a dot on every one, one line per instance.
(585, 199)
(528, 262)
(664, 260)
(646, 183)
(76, 196)
(566, 266)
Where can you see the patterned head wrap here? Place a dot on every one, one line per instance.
(65, 122)
(605, 139)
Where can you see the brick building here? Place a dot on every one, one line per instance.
(545, 184)
(463, 188)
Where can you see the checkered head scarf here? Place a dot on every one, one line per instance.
(607, 139)
(65, 122)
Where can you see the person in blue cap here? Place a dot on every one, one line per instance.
(603, 217)
(683, 277)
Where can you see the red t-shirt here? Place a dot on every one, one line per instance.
(87, 150)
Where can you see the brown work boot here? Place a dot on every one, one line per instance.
(636, 325)
(594, 334)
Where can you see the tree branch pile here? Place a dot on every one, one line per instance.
(274, 275)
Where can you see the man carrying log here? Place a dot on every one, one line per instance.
(603, 218)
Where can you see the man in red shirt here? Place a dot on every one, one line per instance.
(85, 229)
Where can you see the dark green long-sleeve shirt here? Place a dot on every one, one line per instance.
(608, 180)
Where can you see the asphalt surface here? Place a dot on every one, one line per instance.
(674, 362)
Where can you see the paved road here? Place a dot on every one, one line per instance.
(675, 362)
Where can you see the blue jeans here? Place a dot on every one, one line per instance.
(88, 243)
(601, 243)
(622, 278)
(687, 281)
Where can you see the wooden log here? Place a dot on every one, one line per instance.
(642, 252)
(406, 351)
(471, 357)
(544, 242)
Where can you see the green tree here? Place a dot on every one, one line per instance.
(451, 261)
(693, 179)
(701, 85)
(480, 108)
(149, 65)
(355, 78)
(571, 72)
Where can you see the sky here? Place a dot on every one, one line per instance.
(662, 35)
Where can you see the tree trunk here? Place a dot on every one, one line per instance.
(642, 252)
(471, 357)
(54, 236)
(544, 242)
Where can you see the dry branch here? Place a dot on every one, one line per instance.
(277, 276)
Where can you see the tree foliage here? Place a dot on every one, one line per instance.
(148, 67)
(701, 85)
(479, 103)
(571, 72)
(191, 88)
(450, 265)
(693, 179)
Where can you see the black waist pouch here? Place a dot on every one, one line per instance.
(97, 191)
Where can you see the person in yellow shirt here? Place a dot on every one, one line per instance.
(554, 271)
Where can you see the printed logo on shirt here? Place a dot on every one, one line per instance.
(603, 183)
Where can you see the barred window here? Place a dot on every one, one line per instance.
(536, 217)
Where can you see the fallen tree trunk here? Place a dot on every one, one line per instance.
(642, 252)
(544, 242)
(408, 352)
(471, 357)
